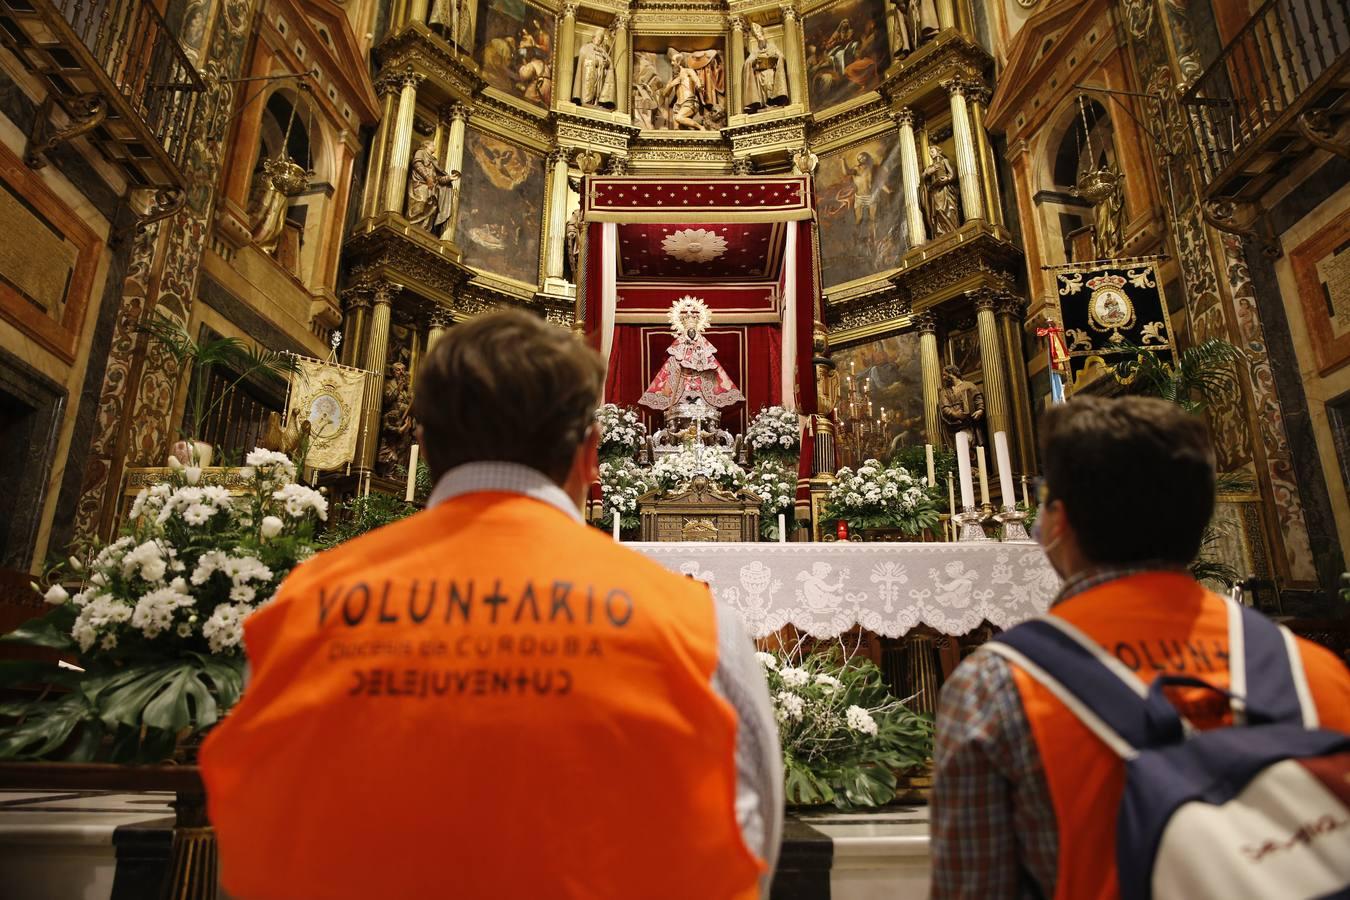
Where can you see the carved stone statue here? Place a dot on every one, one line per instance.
(431, 192)
(961, 405)
(765, 77)
(593, 83)
(695, 96)
(455, 19)
(1107, 232)
(913, 22)
(940, 203)
(804, 162)
(396, 423)
(572, 239)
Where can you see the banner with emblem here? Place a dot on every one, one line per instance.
(1107, 309)
(325, 401)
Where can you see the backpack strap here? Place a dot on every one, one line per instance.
(1266, 669)
(1098, 689)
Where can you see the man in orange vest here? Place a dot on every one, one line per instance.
(491, 699)
(1025, 797)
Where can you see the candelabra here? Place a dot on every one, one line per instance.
(864, 431)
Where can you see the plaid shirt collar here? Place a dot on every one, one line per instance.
(1099, 575)
(502, 477)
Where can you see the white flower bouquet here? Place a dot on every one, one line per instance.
(844, 736)
(621, 431)
(877, 496)
(677, 470)
(775, 481)
(157, 619)
(622, 484)
(774, 433)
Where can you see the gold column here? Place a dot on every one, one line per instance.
(458, 115)
(991, 363)
(563, 58)
(439, 320)
(930, 367)
(909, 176)
(735, 88)
(979, 96)
(417, 11)
(396, 177)
(357, 307)
(792, 36)
(966, 168)
(377, 349)
(623, 64)
(946, 14)
(386, 87)
(557, 213)
(397, 15)
(1009, 310)
(415, 351)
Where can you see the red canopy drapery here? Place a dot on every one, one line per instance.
(764, 287)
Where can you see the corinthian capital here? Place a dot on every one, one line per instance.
(569, 11)
(455, 112)
(984, 299)
(790, 13)
(956, 87)
(906, 117)
(737, 23)
(926, 322)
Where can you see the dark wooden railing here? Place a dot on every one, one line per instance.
(129, 42)
(1286, 51)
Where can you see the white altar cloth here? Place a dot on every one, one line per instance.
(825, 589)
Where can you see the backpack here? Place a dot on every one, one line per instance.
(1258, 809)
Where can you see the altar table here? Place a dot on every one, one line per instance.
(824, 589)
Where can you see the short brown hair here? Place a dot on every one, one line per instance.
(1135, 475)
(507, 386)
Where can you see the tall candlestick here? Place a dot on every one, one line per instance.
(782, 528)
(984, 476)
(951, 495)
(963, 465)
(1026, 493)
(932, 472)
(1007, 493)
(412, 474)
(616, 524)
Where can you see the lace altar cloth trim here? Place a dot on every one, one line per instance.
(827, 588)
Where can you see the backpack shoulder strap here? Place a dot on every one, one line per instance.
(1098, 689)
(1266, 669)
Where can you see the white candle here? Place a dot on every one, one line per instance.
(932, 472)
(1026, 493)
(963, 465)
(412, 474)
(951, 495)
(1006, 491)
(782, 528)
(984, 476)
(616, 525)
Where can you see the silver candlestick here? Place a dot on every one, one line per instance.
(1014, 525)
(968, 522)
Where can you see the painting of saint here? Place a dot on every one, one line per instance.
(501, 201)
(847, 51)
(861, 210)
(680, 89)
(517, 54)
(885, 374)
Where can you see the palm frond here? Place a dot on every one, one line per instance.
(1202, 375)
(1206, 567)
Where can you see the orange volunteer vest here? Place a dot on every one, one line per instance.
(485, 700)
(1153, 623)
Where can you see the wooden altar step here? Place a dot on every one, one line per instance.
(106, 845)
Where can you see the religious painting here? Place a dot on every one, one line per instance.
(1321, 267)
(963, 351)
(501, 200)
(861, 210)
(880, 406)
(679, 88)
(517, 56)
(847, 51)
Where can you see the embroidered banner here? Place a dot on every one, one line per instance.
(1108, 309)
(328, 397)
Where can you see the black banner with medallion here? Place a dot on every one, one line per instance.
(1109, 308)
